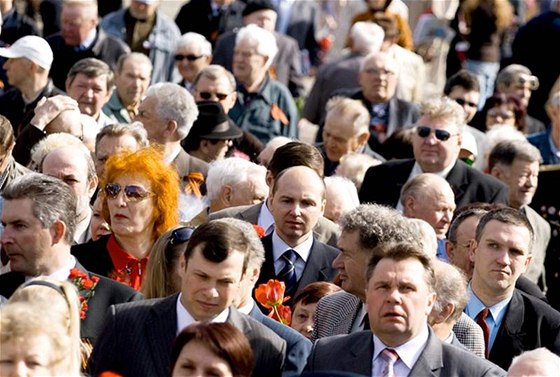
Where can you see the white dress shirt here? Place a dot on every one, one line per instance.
(302, 250)
(184, 318)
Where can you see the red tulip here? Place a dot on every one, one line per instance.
(271, 294)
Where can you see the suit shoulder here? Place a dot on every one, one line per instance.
(261, 332)
(118, 289)
(336, 341)
(540, 307)
(228, 212)
(486, 179)
(466, 363)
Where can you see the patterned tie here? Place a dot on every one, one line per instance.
(390, 357)
(480, 319)
(288, 273)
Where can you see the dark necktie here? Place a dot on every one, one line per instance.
(480, 319)
(288, 273)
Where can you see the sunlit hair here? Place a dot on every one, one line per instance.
(262, 40)
(48, 144)
(197, 40)
(214, 72)
(444, 109)
(451, 287)
(366, 36)
(223, 340)
(164, 181)
(315, 291)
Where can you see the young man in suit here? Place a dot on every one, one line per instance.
(138, 338)
(292, 254)
(400, 295)
(39, 218)
(513, 321)
(436, 143)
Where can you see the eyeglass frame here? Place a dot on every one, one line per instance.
(146, 194)
(181, 235)
(189, 57)
(441, 135)
(207, 95)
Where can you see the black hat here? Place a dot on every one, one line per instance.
(213, 123)
(256, 5)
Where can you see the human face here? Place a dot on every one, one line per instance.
(209, 288)
(190, 68)
(351, 263)
(435, 206)
(132, 81)
(303, 318)
(468, 99)
(215, 149)
(25, 240)
(141, 11)
(501, 114)
(459, 254)
(378, 79)
(220, 86)
(197, 360)
(32, 356)
(520, 89)
(110, 145)
(147, 115)
(90, 92)
(265, 18)
(339, 137)
(248, 66)
(75, 25)
(434, 155)
(398, 300)
(18, 71)
(131, 217)
(297, 204)
(522, 178)
(252, 191)
(99, 227)
(500, 257)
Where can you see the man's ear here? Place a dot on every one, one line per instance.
(226, 194)
(171, 127)
(497, 172)
(445, 313)
(408, 205)
(92, 185)
(58, 230)
(363, 138)
(472, 249)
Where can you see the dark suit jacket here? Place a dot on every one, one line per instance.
(318, 266)
(107, 292)
(138, 337)
(353, 353)
(298, 346)
(528, 324)
(383, 183)
(94, 256)
(325, 231)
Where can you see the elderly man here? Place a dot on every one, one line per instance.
(80, 38)
(342, 196)
(538, 362)
(516, 163)
(215, 262)
(27, 69)
(39, 218)
(511, 320)
(346, 130)
(132, 77)
(400, 295)
(264, 106)
(146, 29)
(436, 145)
(192, 54)
(74, 166)
(429, 197)
(548, 141)
(235, 182)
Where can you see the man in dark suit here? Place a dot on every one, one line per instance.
(39, 217)
(292, 254)
(512, 321)
(400, 295)
(436, 143)
(138, 337)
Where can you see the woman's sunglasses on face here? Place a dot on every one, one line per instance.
(132, 192)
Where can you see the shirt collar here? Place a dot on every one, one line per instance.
(266, 220)
(475, 305)
(279, 247)
(408, 352)
(184, 318)
(61, 274)
(86, 44)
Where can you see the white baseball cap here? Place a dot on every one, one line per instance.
(30, 47)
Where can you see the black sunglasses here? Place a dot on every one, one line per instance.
(208, 95)
(440, 134)
(463, 102)
(133, 193)
(181, 235)
(189, 57)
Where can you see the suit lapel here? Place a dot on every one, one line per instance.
(457, 179)
(267, 269)
(161, 330)
(430, 360)
(360, 351)
(251, 214)
(316, 268)
(509, 340)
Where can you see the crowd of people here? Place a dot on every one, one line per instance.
(279, 188)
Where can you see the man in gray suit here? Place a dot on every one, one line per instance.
(137, 339)
(400, 295)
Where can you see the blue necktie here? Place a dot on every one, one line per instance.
(288, 273)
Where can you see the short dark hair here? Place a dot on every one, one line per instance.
(464, 79)
(313, 292)
(506, 215)
(507, 151)
(296, 153)
(464, 212)
(7, 139)
(91, 67)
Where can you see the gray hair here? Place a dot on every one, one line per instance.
(214, 72)
(89, 7)
(263, 41)
(344, 187)
(355, 110)
(387, 59)
(366, 36)
(421, 185)
(255, 247)
(195, 39)
(354, 166)
(426, 235)
(508, 74)
(52, 200)
(451, 288)
(134, 129)
(138, 56)
(541, 356)
(506, 152)
(444, 109)
(230, 171)
(174, 102)
(78, 151)
(91, 68)
(49, 144)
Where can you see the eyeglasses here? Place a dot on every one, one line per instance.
(463, 102)
(208, 95)
(189, 57)
(379, 72)
(440, 134)
(133, 193)
(180, 235)
(527, 80)
(501, 114)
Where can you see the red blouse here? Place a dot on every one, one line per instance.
(127, 269)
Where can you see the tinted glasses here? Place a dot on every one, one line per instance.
(189, 57)
(133, 193)
(442, 135)
(180, 235)
(207, 95)
(463, 102)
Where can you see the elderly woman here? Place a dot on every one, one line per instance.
(140, 195)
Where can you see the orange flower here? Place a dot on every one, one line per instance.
(260, 230)
(282, 314)
(271, 296)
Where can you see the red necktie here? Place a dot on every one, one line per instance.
(480, 319)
